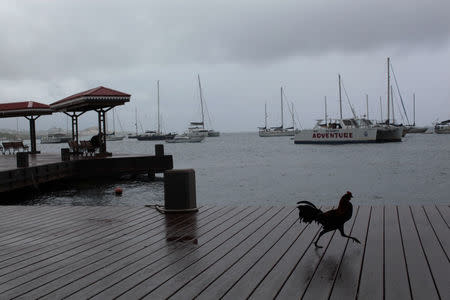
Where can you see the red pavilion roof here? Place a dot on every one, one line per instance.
(25, 108)
(98, 97)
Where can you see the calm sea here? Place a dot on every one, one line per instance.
(244, 169)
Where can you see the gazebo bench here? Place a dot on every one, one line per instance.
(14, 146)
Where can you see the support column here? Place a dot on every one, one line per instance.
(32, 120)
(74, 117)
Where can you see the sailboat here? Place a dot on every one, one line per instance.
(156, 135)
(112, 136)
(386, 131)
(276, 131)
(413, 128)
(340, 131)
(198, 128)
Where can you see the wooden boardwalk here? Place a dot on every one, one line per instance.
(221, 252)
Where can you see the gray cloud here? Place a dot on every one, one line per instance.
(50, 39)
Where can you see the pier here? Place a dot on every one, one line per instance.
(54, 252)
(45, 168)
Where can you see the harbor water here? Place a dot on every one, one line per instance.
(245, 169)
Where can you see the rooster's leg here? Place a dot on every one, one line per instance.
(341, 230)
(320, 234)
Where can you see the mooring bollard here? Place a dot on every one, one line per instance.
(159, 150)
(65, 154)
(22, 159)
(179, 191)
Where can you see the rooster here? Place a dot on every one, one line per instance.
(330, 220)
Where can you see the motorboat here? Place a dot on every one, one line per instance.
(442, 127)
(185, 138)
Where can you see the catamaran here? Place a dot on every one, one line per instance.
(338, 131)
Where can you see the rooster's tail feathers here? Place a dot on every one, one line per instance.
(307, 212)
(306, 202)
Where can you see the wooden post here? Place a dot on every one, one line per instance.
(179, 191)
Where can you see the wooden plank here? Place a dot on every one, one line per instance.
(396, 273)
(134, 256)
(274, 280)
(422, 285)
(240, 258)
(42, 230)
(304, 269)
(345, 284)
(183, 238)
(254, 231)
(435, 255)
(114, 284)
(321, 283)
(138, 240)
(237, 282)
(79, 249)
(29, 256)
(227, 238)
(440, 228)
(371, 277)
(444, 211)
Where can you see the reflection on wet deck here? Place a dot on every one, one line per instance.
(229, 252)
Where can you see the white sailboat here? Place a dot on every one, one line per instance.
(413, 128)
(198, 128)
(157, 135)
(276, 131)
(340, 131)
(113, 136)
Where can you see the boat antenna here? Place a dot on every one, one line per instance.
(326, 116)
(201, 100)
(414, 109)
(136, 121)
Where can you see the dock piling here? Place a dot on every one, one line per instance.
(179, 191)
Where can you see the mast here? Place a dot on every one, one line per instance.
(388, 90)
(114, 120)
(159, 126)
(340, 97)
(136, 123)
(367, 106)
(326, 114)
(265, 115)
(292, 112)
(381, 111)
(414, 109)
(281, 91)
(201, 101)
(392, 103)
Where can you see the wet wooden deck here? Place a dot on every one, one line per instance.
(221, 252)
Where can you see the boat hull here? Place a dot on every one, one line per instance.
(186, 139)
(336, 136)
(389, 134)
(155, 137)
(414, 129)
(276, 133)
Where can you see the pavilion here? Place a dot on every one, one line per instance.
(99, 99)
(30, 110)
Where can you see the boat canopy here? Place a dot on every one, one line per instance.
(196, 123)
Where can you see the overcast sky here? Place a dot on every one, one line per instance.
(243, 50)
